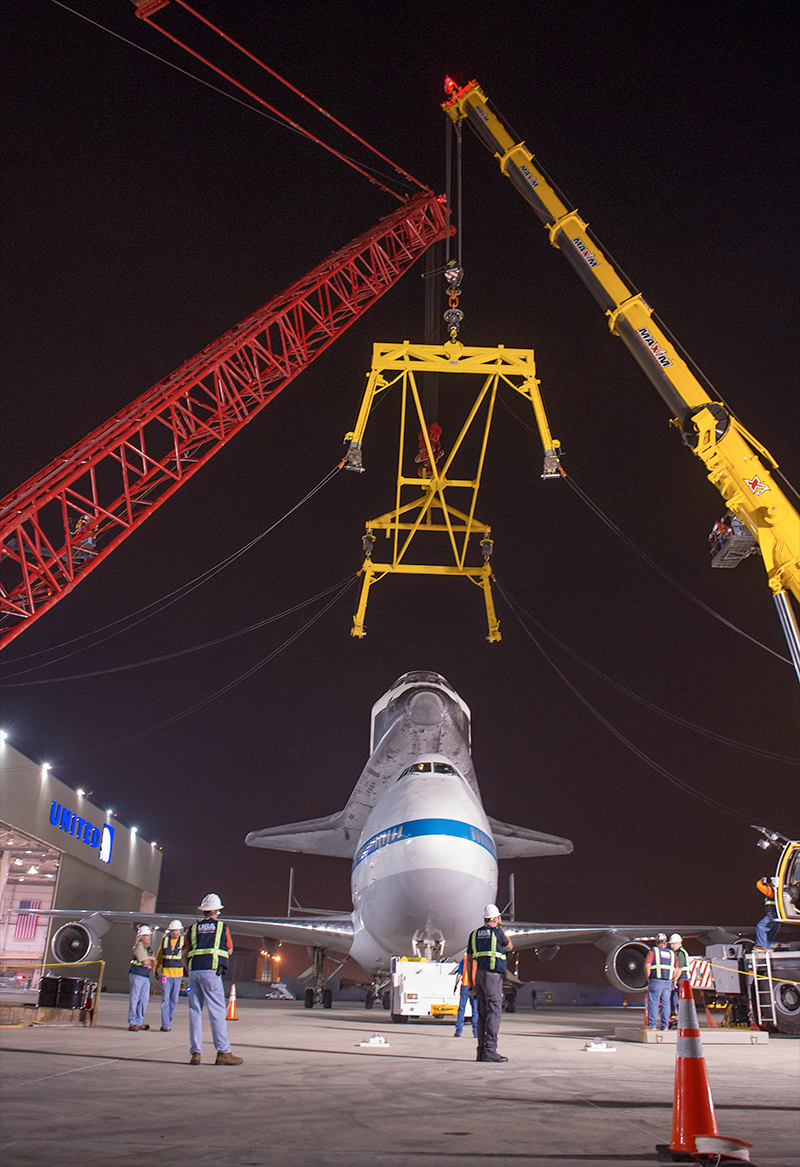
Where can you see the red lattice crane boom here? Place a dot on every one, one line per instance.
(57, 527)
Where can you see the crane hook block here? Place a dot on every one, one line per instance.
(353, 458)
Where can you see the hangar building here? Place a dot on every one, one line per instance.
(58, 850)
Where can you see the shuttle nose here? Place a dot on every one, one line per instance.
(426, 709)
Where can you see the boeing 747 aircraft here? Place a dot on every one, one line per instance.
(424, 856)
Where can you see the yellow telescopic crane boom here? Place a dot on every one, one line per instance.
(738, 465)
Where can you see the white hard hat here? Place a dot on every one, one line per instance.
(173, 924)
(661, 936)
(211, 903)
(675, 938)
(144, 930)
(490, 911)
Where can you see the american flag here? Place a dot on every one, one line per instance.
(26, 925)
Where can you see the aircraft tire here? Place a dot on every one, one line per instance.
(399, 1019)
(370, 999)
(308, 1001)
(386, 999)
(327, 998)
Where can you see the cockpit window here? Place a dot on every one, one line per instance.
(417, 768)
(442, 768)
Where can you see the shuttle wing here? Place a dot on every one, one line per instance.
(329, 835)
(519, 842)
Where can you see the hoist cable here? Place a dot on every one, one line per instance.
(279, 119)
(612, 526)
(459, 193)
(284, 117)
(686, 787)
(299, 93)
(170, 598)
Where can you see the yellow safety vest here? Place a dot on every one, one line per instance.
(663, 965)
(491, 952)
(215, 952)
(172, 959)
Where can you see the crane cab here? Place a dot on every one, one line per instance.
(787, 893)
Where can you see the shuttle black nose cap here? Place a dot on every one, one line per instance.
(426, 709)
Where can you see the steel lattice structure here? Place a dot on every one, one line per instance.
(111, 481)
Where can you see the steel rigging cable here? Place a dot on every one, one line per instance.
(171, 597)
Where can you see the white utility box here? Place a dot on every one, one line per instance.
(422, 988)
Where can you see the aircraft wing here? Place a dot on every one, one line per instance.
(334, 931)
(549, 937)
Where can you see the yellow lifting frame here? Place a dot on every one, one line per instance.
(400, 363)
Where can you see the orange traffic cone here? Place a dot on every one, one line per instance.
(231, 1014)
(694, 1124)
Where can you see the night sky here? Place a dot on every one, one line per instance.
(145, 215)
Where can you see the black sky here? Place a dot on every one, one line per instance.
(145, 215)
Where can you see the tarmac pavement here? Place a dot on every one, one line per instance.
(309, 1095)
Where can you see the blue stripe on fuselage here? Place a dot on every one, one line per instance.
(418, 827)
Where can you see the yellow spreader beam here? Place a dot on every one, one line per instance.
(429, 511)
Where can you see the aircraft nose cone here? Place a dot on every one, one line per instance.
(426, 709)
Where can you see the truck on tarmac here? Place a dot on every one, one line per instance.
(423, 988)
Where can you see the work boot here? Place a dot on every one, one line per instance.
(479, 1055)
(144, 1026)
(194, 1060)
(494, 1057)
(228, 1059)
(134, 1027)
(166, 1029)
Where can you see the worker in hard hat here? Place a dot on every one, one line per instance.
(462, 988)
(681, 974)
(142, 961)
(485, 967)
(208, 947)
(769, 925)
(659, 965)
(169, 970)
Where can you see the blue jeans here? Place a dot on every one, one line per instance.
(140, 995)
(462, 1006)
(659, 999)
(207, 989)
(767, 928)
(170, 991)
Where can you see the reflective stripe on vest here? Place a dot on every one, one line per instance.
(490, 952)
(215, 952)
(174, 958)
(663, 965)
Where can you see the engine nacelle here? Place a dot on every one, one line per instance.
(625, 966)
(75, 942)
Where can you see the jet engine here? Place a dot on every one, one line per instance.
(625, 966)
(75, 942)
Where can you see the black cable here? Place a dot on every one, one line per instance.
(719, 737)
(686, 787)
(643, 554)
(167, 600)
(225, 688)
(183, 651)
(253, 109)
